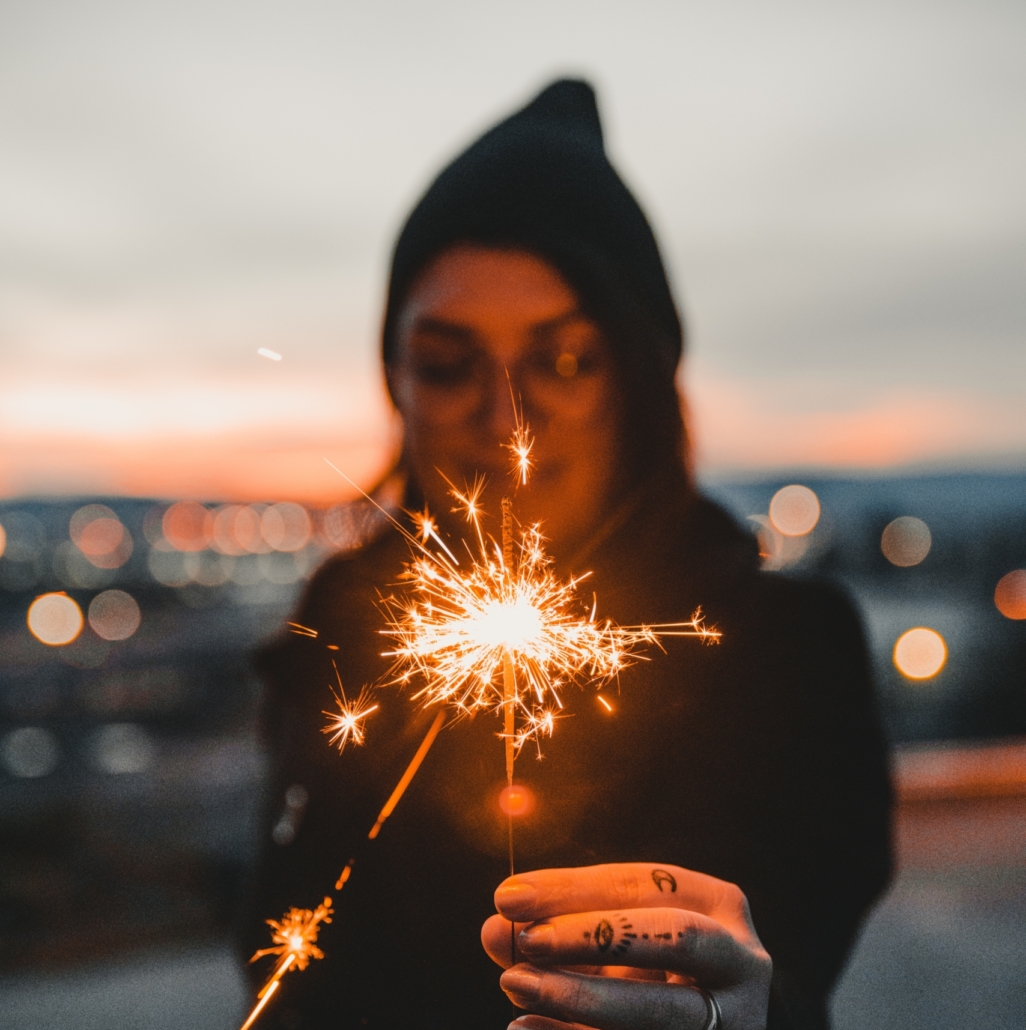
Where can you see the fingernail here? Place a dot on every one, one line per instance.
(523, 985)
(537, 941)
(514, 900)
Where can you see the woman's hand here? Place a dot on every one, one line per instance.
(622, 947)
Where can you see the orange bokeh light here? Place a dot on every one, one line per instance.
(85, 517)
(188, 526)
(1010, 595)
(101, 537)
(920, 653)
(794, 510)
(236, 530)
(55, 619)
(98, 533)
(516, 800)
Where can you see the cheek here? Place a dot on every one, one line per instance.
(590, 416)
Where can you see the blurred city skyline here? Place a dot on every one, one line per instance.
(837, 192)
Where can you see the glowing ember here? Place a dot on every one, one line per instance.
(520, 452)
(295, 935)
(344, 725)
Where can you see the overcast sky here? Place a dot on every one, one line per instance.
(838, 190)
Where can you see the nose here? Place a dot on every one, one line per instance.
(502, 404)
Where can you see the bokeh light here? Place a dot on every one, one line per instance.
(101, 536)
(516, 800)
(3, 540)
(566, 365)
(223, 533)
(282, 568)
(247, 530)
(98, 533)
(25, 536)
(776, 550)
(172, 568)
(794, 510)
(122, 748)
(246, 571)
(237, 530)
(906, 541)
(87, 515)
(55, 619)
(286, 526)
(920, 653)
(114, 615)
(213, 570)
(1010, 595)
(188, 526)
(30, 752)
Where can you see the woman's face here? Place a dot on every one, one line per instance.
(480, 328)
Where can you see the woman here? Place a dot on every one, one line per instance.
(527, 270)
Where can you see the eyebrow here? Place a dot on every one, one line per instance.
(456, 330)
(442, 327)
(544, 328)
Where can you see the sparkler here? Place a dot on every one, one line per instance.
(344, 724)
(295, 934)
(295, 941)
(500, 633)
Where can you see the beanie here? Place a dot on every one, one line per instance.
(540, 180)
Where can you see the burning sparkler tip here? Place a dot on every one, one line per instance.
(345, 724)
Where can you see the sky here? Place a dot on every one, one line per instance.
(837, 189)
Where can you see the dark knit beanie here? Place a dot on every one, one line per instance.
(540, 180)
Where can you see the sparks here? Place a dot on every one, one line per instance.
(344, 724)
(295, 944)
(295, 935)
(519, 448)
(302, 631)
(458, 626)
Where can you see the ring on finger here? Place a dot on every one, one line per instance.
(714, 1017)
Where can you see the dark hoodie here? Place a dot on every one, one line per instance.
(759, 760)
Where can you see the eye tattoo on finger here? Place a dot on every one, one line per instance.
(662, 879)
(604, 935)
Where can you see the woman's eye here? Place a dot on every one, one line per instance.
(448, 372)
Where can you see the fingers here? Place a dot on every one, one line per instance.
(498, 941)
(654, 938)
(544, 1023)
(527, 897)
(608, 1002)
